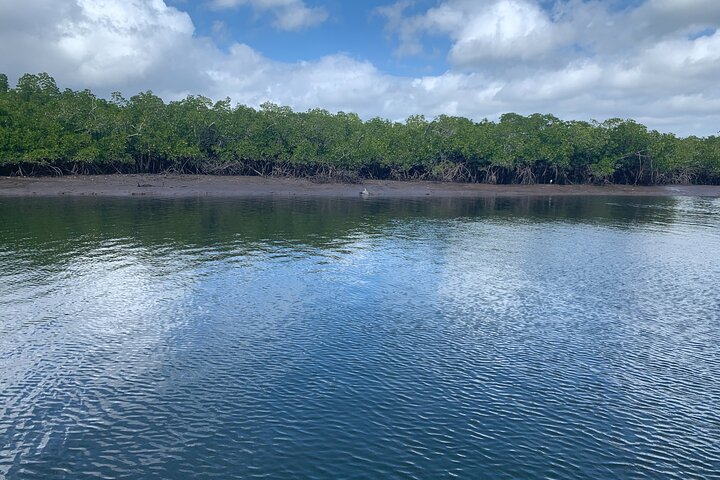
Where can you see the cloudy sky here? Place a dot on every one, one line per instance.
(657, 61)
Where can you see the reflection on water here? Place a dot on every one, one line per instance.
(490, 338)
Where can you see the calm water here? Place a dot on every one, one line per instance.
(547, 338)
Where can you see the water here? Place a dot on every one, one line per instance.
(546, 338)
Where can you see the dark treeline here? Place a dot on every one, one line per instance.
(44, 130)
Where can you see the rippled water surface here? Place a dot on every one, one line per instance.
(545, 338)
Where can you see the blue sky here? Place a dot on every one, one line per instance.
(656, 61)
(352, 27)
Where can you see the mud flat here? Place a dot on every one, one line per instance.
(238, 186)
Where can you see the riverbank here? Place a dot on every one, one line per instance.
(176, 186)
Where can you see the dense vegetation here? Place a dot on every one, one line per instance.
(47, 131)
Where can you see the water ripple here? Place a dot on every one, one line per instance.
(574, 338)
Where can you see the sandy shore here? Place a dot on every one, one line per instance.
(235, 186)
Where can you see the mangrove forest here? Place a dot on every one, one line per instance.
(48, 131)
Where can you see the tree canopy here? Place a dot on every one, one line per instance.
(44, 130)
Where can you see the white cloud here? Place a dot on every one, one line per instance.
(510, 29)
(667, 16)
(288, 14)
(594, 63)
(406, 29)
(98, 42)
(111, 39)
(480, 31)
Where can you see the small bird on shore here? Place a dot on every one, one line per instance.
(364, 192)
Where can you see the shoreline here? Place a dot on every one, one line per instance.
(188, 186)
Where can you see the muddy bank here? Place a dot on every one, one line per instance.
(236, 186)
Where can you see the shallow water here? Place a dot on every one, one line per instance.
(491, 338)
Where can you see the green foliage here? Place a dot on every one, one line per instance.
(47, 131)
(604, 170)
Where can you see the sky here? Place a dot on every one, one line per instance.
(656, 61)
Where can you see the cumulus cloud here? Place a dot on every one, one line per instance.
(98, 42)
(288, 14)
(668, 16)
(578, 58)
(480, 31)
(657, 62)
(111, 39)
